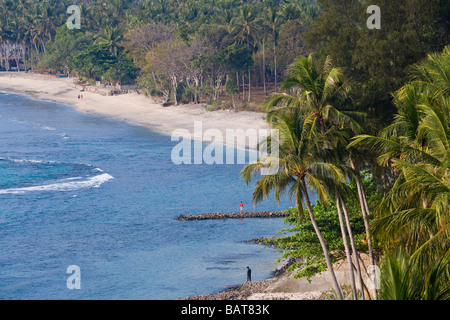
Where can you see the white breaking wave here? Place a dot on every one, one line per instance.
(65, 185)
(43, 162)
(29, 161)
(47, 128)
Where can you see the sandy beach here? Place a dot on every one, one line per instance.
(133, 107)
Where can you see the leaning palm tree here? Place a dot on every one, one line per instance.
(303, 163)
(317, 91)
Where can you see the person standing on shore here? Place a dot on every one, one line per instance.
(242, 206)
(249, 275)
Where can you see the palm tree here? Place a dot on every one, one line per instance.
(47, 19)
(245, 28)
(303, 166)
(273, 20)
(414, 212)
(263, 33)
(6, 9)
(315, 91)
(403, 279)
(112, 36)
(117, 9)
(339, 203)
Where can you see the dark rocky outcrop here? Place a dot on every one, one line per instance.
(238, 292)
(238, 215)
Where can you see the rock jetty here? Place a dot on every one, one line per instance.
(238, 215)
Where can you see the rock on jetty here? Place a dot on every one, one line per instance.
(238, 292)
(238, 215)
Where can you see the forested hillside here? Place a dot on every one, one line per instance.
(202, 49)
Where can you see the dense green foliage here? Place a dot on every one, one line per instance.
(206, 32)
(376, 60)
(404, 279)
(322, 148)
(414, 213)
(207, 39)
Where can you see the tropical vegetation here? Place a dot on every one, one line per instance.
(363, 115)
(320, 141)
(183, 51)
(252, 41)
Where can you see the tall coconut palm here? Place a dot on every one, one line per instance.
(245, 29)
(263, 34)
(303, 165)
(112, 36)
(272, 18)
(315, 92)
(6, 10)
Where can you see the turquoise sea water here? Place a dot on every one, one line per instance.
(79, 189)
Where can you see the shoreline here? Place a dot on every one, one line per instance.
(241, 291)
(132, 107)
(284, 285)
(142, 111)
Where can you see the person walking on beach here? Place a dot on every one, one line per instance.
(249, 275)
(242, 206)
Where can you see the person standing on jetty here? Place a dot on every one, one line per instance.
(249, 275)
(242, 206)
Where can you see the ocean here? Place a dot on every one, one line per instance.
(82, 190)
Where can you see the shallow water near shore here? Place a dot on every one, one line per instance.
(79, 189)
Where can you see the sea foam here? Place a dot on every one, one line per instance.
(64, 185)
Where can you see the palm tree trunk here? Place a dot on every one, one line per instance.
(174, 85)
(264, 67)
(299, 203)
(352, 243)
(16, 56)
(233, 102)
(365, 213)
(347, 248)
(275, 65)
(249, 85)
(243, 86)
(237, 82)
(321, 240)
